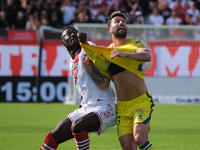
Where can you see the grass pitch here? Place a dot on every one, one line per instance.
(24, 125)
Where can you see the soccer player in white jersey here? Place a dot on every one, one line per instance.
(97, 111)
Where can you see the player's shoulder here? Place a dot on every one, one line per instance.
(135, 42)
(91, 43)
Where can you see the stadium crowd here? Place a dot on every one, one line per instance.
(31, 14)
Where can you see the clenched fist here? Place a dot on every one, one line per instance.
(82, 37)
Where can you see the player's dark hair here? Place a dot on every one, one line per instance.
(70, 27)
(114, 14)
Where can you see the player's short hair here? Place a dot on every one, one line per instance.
(70, 27)
(114, 14)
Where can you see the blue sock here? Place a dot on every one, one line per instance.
(146, 146)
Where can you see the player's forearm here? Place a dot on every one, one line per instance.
(143, 56)
(102, 82)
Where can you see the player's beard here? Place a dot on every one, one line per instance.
(120, 35)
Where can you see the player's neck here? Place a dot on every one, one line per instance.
(119, 42)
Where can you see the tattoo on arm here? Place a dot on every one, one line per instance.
(96, 77)
(143, 56)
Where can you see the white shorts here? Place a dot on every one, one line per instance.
(106, 111)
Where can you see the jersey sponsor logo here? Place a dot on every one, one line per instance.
(137, 42)
(141, 111)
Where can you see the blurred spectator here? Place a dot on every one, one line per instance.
(184, 3)
(146, 10)
(133, 5)
(95, 12)
(3, 21)
(54, 14)
(60, 13)
(180, 10)
(54, 21)
(68, 11)
(33, 22)
(136, 18)
(93, 9)
(84, 17)
(10, 10)
(163, 9)
(19, 21)
(173, 20)
(188, 19)
(103, 10)
(193, 11)
(155, 18)
(44, 22)
(197, 3)
(169, 2)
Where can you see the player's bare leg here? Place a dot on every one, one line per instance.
(66, 130)
(62, 132)
(81, 127)
(59, 134)
(127, 142)
(141, 136)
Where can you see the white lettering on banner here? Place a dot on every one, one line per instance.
(177, 99)
(5, 58)
(168, 59)
(29, 59)
(61, 63)
(179, 62)
(196, 71)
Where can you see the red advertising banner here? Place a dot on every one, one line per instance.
(169, 58)
(174, 58)
(55, 59)
(19, 58)
(26, 35)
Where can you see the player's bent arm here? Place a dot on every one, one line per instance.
(101, 81)
(141, 54)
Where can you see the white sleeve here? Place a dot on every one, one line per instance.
(91, 43)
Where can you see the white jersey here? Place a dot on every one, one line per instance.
(86, 87)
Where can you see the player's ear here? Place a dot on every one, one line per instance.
(110, 30)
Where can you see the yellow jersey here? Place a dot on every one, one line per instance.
(101, 57)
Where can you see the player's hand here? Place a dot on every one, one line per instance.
(87, 61)
(82, 37)
(118, 53)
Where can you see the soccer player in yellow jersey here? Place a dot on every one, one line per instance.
(135, 105)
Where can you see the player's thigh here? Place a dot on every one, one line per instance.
(127, 142)
(89, 122)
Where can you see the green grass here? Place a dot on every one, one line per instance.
(24, 125)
